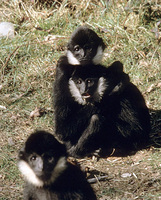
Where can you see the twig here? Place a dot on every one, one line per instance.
(96, 179)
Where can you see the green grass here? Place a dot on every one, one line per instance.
(27, 69)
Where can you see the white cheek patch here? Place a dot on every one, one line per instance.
(58, 169)
(29, 174)
(71, 59)
(102, 85)
(98, 57)
(75, 92)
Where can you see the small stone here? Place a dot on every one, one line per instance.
(125, 175)
(11, 142)
(6, 30)
(2, 107)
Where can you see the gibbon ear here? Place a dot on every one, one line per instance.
(21, 152)
(117, 66)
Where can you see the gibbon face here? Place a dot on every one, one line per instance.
(90, 83)
(85, 47)
(42, 159)
(48, 175)
(86, 89)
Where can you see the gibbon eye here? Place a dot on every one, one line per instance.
(89, 81)
(79, 81)
(50, 159)
(33, 158)
(76, 48)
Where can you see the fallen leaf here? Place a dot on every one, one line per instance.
(159, 85)
(38, 112)
(151, 88)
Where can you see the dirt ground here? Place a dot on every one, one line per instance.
(132, 177)
(115, 178)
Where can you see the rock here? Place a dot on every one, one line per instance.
(6, 30)
(2, 107)
(125, 175)
(11, 142)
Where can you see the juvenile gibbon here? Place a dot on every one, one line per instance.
(43, 163)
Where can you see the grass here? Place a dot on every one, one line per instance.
(131, 31)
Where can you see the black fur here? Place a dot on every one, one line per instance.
(119, 120)
(84, 45)
(88, 41)
(56, 178)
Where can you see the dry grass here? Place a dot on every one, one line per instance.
(131, 30)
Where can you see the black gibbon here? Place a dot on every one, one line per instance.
(101, 109)
(43, 163)
(84, 47)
